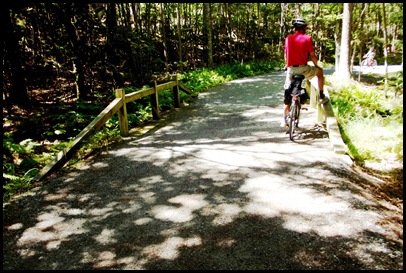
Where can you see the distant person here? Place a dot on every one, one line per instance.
(298, 47)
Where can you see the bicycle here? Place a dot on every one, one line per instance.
(369, 61)
(295, 107)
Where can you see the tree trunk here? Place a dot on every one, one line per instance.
(344, 70)
(164, 42)
(210, 37)
(361, 42)
(282, 30)
(18, 93)
(208, 34)
(179, 36)
(385, 48)
(229, 31)
(112, 57)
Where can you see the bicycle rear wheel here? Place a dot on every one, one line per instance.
(294, 119)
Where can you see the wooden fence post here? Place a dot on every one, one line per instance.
(155, 103)
(175, 90)
(122, 113)
(314, 100)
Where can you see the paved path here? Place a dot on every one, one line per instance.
(379, 69)
(215, 185)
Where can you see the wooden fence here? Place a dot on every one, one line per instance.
(118, 105)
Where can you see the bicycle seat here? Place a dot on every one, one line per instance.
(298, 77)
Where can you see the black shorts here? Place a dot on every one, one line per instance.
(287, 100)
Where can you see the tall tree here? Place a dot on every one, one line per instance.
(208, 34)
(112, 44)
(178, 32)
(344, 67)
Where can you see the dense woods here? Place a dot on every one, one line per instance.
(62, 56)
(85, 49)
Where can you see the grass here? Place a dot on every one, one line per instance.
(365, 133)
(371, 122)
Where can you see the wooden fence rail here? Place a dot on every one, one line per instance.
(118, 105)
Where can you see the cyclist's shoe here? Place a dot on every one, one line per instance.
(323, 100)
(284, 122)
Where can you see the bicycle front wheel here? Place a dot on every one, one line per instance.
(374, 64)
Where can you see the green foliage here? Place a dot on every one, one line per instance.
(13, 184)
(138, 111)
(19, 166)
(97, 142)
(397, 83)
(202, 79)
(166, 99)
(12, 148)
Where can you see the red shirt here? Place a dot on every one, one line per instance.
(297, 48)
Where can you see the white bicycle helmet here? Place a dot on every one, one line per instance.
(299, 22)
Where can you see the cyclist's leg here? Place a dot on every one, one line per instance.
(286, 107)
(287, 100)
(312, 71)
(287, 97)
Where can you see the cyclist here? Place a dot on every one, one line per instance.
(370, 56)
(298, 47)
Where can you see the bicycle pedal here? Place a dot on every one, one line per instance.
(305, 108)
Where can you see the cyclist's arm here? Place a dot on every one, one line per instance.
(314, 59)
(286, 62)
(285, 55)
